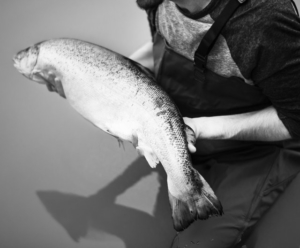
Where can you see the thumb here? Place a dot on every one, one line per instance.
(191, 138)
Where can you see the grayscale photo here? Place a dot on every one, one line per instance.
(150, 124)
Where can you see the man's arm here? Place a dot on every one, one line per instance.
(144, 55)
(263, 125)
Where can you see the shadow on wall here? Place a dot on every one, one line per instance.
(99, 212)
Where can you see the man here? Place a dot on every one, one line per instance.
(232, 68)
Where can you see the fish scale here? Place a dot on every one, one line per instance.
(122, 98)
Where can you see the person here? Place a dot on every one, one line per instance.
(232, 67)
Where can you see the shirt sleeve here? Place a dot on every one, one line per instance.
(277, 70)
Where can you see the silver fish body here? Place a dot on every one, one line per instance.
(120, 97)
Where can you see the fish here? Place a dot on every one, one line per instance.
(122, 98)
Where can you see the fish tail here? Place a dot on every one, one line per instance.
(201, 203)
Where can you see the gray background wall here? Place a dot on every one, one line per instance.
(64, 183)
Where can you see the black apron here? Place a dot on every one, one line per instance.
(246, 176)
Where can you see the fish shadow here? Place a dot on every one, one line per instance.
(99, 212)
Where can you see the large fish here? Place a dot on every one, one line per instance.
(121, 97)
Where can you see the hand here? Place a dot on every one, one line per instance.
(190, 134)
(203, 128)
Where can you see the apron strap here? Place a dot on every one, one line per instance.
(212, 34)
(295, 7)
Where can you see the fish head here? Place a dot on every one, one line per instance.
(25, 62)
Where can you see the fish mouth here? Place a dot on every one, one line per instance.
(17, 65)
(16, 61)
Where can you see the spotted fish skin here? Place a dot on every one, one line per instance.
(121, 97)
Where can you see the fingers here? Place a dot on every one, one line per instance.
(192, 148)
(191, 138)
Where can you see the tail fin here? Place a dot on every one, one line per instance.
(200, 203)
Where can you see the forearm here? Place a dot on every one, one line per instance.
(263, 125)
(144, 55)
